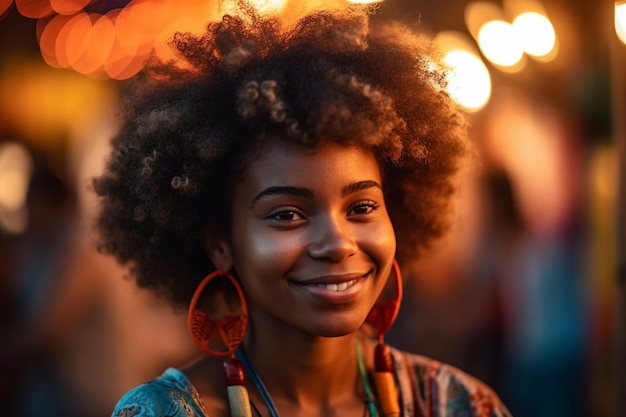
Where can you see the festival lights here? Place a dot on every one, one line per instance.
(116, 42)
(506, 35)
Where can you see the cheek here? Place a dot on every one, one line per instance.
(380, 241)
(264, 253)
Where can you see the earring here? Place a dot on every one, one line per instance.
(381, 317)
(230, 330)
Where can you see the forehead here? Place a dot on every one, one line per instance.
(285, 163)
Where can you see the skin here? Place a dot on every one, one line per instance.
(312, 245)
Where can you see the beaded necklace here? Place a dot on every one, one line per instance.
(370, 400)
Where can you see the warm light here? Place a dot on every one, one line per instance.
(477, 13)
(469, 83)
(4, 6)
(536, 34)
(34, 9)
(48, 40)
(116, 43)
(133, 30)
(500, 44)
(75, 39)
(41, 104)
(620, 20)
(68, 7)
(261, 6)
(268, 6)
(15, 171)
(101, 40)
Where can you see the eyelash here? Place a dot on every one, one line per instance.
(274, 215)
(370, 206)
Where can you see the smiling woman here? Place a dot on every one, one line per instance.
(292, 167)
(312, 251)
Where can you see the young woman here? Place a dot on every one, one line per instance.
(269, 184)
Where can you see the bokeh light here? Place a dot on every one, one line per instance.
(115, 43)
(34, 9)
(15, 171)
(507, 34)
(4, 6)
(477, 13)
(469, 81)
(499, 43)
(620, 20)
(268, 6)
(16, 166)
(68, 6)
(536, 34)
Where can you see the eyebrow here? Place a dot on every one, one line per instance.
(361, 185)
(293, 191)
(307, 193)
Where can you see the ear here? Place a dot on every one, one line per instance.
(220, 253)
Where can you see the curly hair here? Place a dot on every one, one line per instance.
(188, 130)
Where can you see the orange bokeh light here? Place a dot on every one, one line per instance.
(47, 40)
(4, 6)
(34, 9)
(68, 7)
(60, 45)
(78, 41)
(124, 61)
(117, 43)
(100, 46)
(134, 24)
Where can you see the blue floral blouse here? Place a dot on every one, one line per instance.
(427, 389)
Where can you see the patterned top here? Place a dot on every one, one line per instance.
(427, 389)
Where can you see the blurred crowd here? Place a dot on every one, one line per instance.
(76, 331)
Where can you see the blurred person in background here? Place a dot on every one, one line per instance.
(76, 335)
(46, 302)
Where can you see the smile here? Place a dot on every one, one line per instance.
(342, 286)
(335, 290)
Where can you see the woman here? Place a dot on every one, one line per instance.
(268, 184)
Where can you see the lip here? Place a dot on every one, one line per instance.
(334, 289)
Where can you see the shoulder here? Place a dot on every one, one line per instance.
(440, 389)
(170, 395)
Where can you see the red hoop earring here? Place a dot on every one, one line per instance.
(381, 317)
(384, 313)
(231, 330)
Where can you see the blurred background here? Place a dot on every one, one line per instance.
(525, 292)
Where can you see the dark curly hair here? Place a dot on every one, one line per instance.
(189, 127)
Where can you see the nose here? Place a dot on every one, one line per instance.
(332, 240)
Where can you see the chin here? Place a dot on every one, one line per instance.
(338, 328)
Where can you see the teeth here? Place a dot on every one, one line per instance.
(338, 287)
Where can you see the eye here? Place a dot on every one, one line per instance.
(362, 208)
(286, 215)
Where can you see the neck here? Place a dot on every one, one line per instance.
(303, 371)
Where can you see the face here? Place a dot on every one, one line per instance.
(312, 242)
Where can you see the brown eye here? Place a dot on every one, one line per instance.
(285, 215)
(363, 208)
